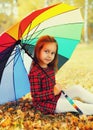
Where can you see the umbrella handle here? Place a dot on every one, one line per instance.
(72, 102)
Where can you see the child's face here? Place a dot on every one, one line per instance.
(47, 54)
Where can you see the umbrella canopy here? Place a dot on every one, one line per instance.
(62, 21)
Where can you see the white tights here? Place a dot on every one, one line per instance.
(76, 91)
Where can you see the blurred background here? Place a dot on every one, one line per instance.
(12, 11)
(79, 69)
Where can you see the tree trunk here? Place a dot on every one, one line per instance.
(72, 2)
(86, 22)
(46, 3)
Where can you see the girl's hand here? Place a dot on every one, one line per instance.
(57, 89)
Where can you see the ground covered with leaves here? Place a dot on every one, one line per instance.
(20, 115)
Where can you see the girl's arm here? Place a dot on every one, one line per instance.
(57, 89)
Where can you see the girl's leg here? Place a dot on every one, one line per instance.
(86, 108)
(79, 92)
(64, 106)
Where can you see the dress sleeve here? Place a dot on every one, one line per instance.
(41, 90)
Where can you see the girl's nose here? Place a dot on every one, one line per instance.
(49, 55)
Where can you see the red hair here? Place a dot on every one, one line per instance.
(39, 45)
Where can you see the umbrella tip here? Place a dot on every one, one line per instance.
(18, 42)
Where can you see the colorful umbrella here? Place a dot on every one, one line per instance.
(62, 21)
(60, 25)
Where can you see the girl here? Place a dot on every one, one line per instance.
(46, 94)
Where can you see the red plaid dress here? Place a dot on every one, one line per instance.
(42, 88)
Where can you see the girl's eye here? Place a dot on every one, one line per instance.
(53, 53)
(46, 51)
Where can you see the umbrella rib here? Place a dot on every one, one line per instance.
(10, 60)
(3, 54)
(28, 30)
(35, 36)
(28, 38)
(17, 54)
(5, 44)
(35, 30)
